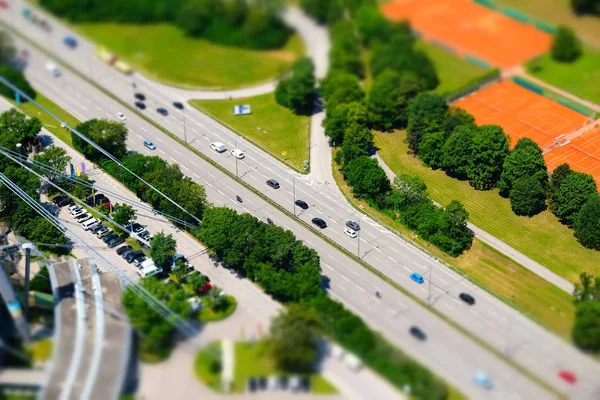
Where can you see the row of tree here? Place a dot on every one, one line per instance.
(256, 25)
(586, 6)
(586, 329)
(297, 91)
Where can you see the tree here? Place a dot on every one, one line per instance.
(525, 159)
(566, 47)
(586, 7)
(357, 141)
(587, 289)
(294, 339)
(22, 178)
(388, 98)
(17, 78)
(457, 151)
(41, 281)
(366, 177)
(587, 223)
(371, 23)
(412, 188)
(338, 119)
(573, 192)
(457, 117)
(109, 135)
(123, 214)
(425, 109)
(340, 87)
(586, 329)
(490, 147)
(196, 280)
(558, 176)
(430, 147)
(55, 158)
(324, 12)
(298, 91)
(345, 54)
(162, 250)
(17, 128)
(453, 235)
(527, 196)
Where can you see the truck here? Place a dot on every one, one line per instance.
(148, 268)
(106, 55)
(123, 67)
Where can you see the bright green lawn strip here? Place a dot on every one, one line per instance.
(271, 126)
(252, 360)
(558, 12)
(48, 122)
(207, 314)
(163, 52)
(581, 78)
(501, 276)
(211, 377)
(541, 237)
(454, 72)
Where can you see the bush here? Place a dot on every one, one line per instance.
(298, 91)
(586, 329)
(345, 53)
(566, 47)
(41, 281)
(17, 78)
(586, 7)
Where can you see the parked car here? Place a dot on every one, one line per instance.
(140, 96)
(567, 376)
(302, 204)
(149, 145)
(89, 223)
(353, 225)
(64, 202)
(144, 235)
(109, 237)
(319, 222)
(122, 250)
(273, 183)
(178, 105)
(95, 199)
(139, 259)
(350, 232)
(121, 116)
(96, 228)
(115, 242)
(127, 252)
(79, 213)
(418, 333)
(417, 277)
(59, 198)
(162, 111)
(70, 41)
(140, 105)
(103, 232)
(132, 256)
(135, 228)
(467, 298)
(483, 380)
(218, 147)
(83, 217)
(74, 208)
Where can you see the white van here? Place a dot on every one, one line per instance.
(218, 147)
(53, 69)
(148, 268)
(89, 223)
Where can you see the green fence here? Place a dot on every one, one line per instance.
(515, 15)
(472, 86)
(574, 106)
(443, 46)
(477, 61)
(528, 85)
(487, 3)
(546, 27)
(519, 16)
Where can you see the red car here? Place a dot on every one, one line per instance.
(204, 289)
(3, 4)
(567, 376)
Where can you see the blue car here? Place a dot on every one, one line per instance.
(417, 277)
(70, 41)
(483, 380)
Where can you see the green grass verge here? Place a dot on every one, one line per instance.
(581, 78)
(498, 274)
(273, 127)
(47, 121)
(207, 367)
(15, 396)
(163, 52)
(252, 360)
(558, 12)
(41, 350)
(207, 314)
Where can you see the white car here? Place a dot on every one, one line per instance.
(121, 116)
(218, 147)
(350, 232)
(195, 303)
(53, 69)
(237, 153)
(74, 208)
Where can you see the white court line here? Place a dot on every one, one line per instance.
(345, 277)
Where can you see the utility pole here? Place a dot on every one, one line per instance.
(27, 247)
(358, 237)
(184, 129)
(294, 183)
(235, 154)
(429, 294)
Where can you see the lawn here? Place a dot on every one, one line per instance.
(207, 365)
(163, 52)
(558, 12)
(47, 121)
(274, 128)
(513, 284)
(208, 314)
(581, 78)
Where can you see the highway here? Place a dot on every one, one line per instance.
(500, 326)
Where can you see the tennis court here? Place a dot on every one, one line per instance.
(471, 29)
(522, 113)
(582, 154)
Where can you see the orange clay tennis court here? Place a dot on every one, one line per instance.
(472, 29)
(522, 113)
(582, 154)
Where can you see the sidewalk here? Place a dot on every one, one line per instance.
(504, 248)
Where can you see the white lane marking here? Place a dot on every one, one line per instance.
(161, 152)
(345, 277)
(327, 266)
(361, 289)
(184, 167)
(139, 136)
(144, 129)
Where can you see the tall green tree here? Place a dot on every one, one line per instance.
(457, 117)
(566, 47)
(425, 109)
(490, 148)
(55, 158)
(357, 141)
(527, 196)
(341, 87)
(22, 178)
(17, 78)
(324, 11)
(294, 339)
(338, 119)
(298, 91)
(453, 235)
(587, 289)
(123, 214)
(559, 174)
(162, 250)
(431, 145)
(389, 97)
(109, 135)
(525, 159)
(366, 177)
(572, 194)
(587, 223)
(16, 128)
(586, 329)
(457, 151)
(345, 54)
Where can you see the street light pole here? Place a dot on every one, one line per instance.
(184, 129)
(27, 247)
(358, 237)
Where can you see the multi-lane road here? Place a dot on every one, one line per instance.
(492, 321)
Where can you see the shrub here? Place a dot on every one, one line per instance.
(566, 47)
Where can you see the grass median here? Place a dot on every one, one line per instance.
(165, 53)
(510, 282)
(270, 126)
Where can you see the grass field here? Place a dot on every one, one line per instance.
(163, 52)
(558, 12)
(515, 285)
(207, 314)
(581, 78)
(271, 126)
(205, 365)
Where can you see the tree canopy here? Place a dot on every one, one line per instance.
(345, 54)
(298, 91)
(16, 128)
(587, 289)
(586, 6)
(587, 223)
(586, 329)
(324, 11)
(425, 109)
(572, 193)
(341, 87)
(17, 78)
(109, 135)
(527, 196)
(162, 249)
(457, 151)
(525, 159)
(566, 47)
(490, 147)
(338, 119)
(366, 177)
(123, 214)
(54, 157)
(388, 99)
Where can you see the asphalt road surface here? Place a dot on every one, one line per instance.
(491, 320)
